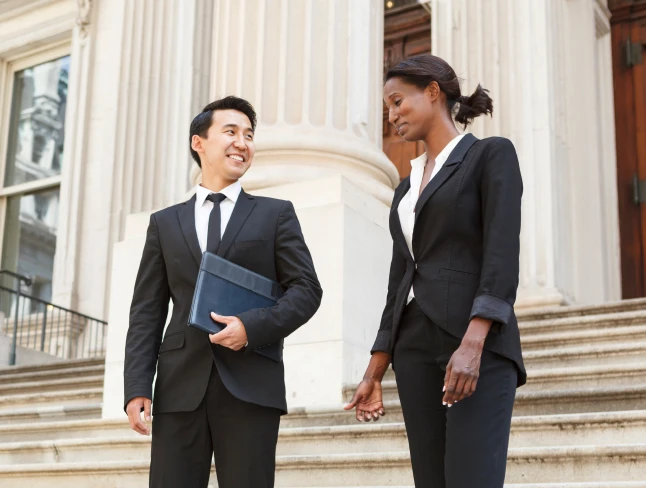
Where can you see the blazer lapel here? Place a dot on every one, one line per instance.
(395, 223)
(186, 216)
(241, 211)
(451, 164)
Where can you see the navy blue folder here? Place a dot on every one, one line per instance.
(228, 289)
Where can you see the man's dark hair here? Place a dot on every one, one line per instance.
(202, 121)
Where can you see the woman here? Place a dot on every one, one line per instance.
(449, 327)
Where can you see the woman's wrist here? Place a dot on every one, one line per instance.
(377, 367)
(477, 333)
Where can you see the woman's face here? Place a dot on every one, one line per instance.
(410, 109)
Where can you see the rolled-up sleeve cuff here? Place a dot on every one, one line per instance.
(382, 343)
(492, 308)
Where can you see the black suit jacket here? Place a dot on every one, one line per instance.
(263, 235)
(466, 246)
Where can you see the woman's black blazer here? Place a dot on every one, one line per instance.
(466, 245)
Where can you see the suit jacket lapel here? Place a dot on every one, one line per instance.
(186, 216)
(395, 223)
(241, 211)
(451, 164)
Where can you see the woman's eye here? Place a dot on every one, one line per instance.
(398, 102)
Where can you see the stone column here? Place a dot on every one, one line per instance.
(150, 76)
(313, 71)
(538, 59)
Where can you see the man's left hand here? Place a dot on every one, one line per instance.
(233, 336)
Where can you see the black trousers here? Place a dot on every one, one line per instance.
(464, 446)
(240, 436)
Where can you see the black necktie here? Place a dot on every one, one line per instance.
(215, 222)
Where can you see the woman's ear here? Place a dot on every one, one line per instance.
(433, 90)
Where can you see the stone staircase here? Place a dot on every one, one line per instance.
(579, 423)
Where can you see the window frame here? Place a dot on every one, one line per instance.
(26, 60)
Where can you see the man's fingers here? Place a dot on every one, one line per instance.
(142, 428)
(222, 318)
(134, 418)
(219, 337)
(147, 405)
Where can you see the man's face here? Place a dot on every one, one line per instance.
(228, 148)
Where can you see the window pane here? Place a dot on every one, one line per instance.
(37, 125)
(30, 240)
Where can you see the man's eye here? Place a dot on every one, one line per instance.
(230, 132)
(250, 137)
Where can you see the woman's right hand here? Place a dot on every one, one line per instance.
(368, 401)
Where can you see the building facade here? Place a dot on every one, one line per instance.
(96, 97)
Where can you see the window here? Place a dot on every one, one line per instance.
(31, 167)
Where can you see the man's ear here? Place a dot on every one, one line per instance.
(196, 143)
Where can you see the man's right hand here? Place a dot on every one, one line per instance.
(133, 409)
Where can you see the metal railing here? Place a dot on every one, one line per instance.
(38, 325)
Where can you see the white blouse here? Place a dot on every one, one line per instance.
(406, 209)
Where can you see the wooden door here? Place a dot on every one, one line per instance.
(629, 72)
(407, 32)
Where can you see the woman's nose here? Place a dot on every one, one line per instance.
(392, 116)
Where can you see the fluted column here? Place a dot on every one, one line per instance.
(150, 76)
(146, 77)
(313, 71)
(539, 62)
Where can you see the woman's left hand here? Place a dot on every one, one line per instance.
(462, 373)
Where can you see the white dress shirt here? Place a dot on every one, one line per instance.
(203, 209)
(406, 209)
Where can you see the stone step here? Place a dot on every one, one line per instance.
(525, 465)
(595, 376)
(113, 440)
(607, 484)
(555, 400)
(550, 402)
(52, 385)
(605, 323)
(592, 484)
(48, 414)
(47, 375)
(584, 337)
(50, 398)
(597, 428)
(629, 352)
(57, 365)
(551, 313)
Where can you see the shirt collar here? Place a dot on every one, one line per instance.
(420, 162)
(232, 192)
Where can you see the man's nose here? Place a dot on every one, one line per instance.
(239, 143)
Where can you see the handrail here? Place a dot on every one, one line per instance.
(46, 303)
(25, 279)
(91, 341)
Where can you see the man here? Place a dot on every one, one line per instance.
(215, 396)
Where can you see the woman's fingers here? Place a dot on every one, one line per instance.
(459, 388)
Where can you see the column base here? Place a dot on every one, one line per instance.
(538, 297)
(346, 230)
